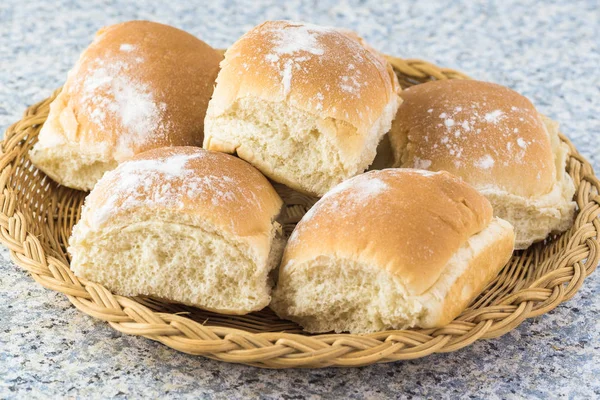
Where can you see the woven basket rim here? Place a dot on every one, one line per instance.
(288, 350)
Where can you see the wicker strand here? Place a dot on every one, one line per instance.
(37, 216)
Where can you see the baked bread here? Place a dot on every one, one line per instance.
(305, 104)
(182, 224)
(140, 85)
(494, 139)
(390, 249)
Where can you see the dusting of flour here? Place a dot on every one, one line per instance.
(298, 38)
(421, 163)
(485, 162)
(357, 192)
(462, 128)
(292, 45)
(164, 183)
(355, 195)
(112, 93)
(360, 188)
(126, 47)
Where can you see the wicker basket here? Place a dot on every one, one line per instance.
(37, 217)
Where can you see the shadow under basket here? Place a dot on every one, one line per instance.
(37, 217)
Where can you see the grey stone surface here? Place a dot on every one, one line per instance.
(548, 51)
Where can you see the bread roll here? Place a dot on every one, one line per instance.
(495, 140)
(304, 104)
(391, 249)
(140, 85)
(183, 224)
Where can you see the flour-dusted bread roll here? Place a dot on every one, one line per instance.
(390, 249)
(183, 224)
(140, 85)
(494, 139)
(305, 104)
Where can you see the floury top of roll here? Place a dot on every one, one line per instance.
(306, 105)
(493, 138)
(139, 85)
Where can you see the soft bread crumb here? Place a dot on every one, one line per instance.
(178, 262)
(72, 165)
(69, 162)
(342, 295)
(295, 147)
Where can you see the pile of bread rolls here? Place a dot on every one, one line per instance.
(180, 146)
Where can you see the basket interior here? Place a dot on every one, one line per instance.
(51, 210)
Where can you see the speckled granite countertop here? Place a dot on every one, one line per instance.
(550, 53)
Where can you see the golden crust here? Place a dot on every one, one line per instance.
(407, 222)
(191, 183)
(489, 135)
(328, 73)
(164, 77)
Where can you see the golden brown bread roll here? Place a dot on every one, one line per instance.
(305, 104)
(139, 85)
(494, 139)
(183, 224)
(390, 249)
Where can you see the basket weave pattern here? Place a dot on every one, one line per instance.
(37, 216)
